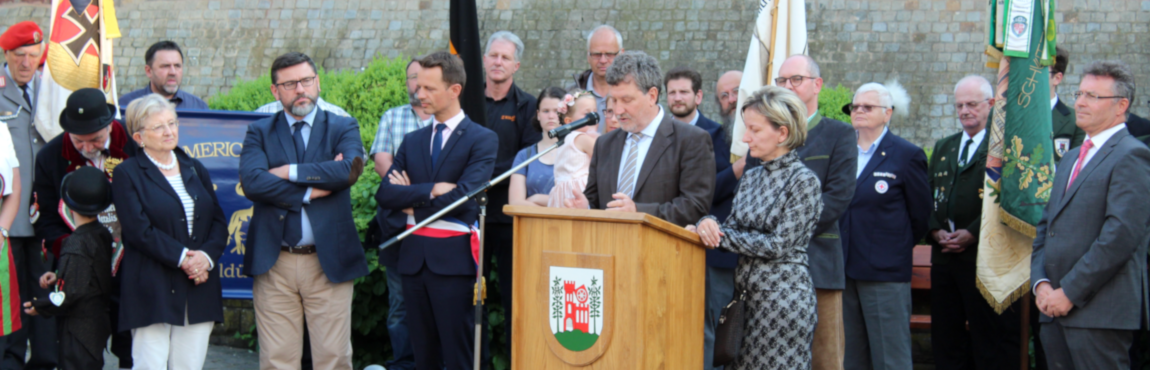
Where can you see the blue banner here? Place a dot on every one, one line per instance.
(216, 139)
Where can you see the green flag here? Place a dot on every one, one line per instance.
(1019, 166)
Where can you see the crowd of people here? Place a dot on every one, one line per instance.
(820, 258)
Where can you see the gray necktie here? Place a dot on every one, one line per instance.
(630, 166)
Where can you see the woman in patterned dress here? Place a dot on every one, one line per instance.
(775, 212)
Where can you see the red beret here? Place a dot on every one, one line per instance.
(21, 34)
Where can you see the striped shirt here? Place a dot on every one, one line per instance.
(177, 183)
(394, 124)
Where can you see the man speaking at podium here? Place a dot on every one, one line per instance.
(655, 164)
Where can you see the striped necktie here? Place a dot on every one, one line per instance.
(631, 166)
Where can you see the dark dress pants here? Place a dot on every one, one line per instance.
(992, 341)
(440, 319)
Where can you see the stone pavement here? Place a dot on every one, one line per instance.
(219, 358)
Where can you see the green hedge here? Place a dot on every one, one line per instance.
(366, 95)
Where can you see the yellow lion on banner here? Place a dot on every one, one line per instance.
(236, 225)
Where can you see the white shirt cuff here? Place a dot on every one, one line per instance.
(291, 173)
(307, 196)
(183, 255)
(1034, 290)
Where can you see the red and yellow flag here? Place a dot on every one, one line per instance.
(79, 55)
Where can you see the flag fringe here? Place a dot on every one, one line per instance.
(999, 307)
(1016, 223)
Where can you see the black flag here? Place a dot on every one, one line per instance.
(465, 44)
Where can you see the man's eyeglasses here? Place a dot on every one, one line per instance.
(795, 80)
(865, 108)
(602, 55)
(969, 105)
(1091, 97)
(167, 126)
(290, 85)
(728, 94)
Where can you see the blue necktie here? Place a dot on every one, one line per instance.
(293, 228)
(437, 143)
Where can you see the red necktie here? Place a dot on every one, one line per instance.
(1086, 145)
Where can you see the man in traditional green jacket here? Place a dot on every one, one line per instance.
(1066, 133)
(957, 171)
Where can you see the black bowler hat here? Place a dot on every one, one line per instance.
(86, 191)
(87, 112)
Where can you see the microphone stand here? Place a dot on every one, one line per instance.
(480, 196)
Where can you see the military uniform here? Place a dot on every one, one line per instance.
(1065, 131)
(992, 341)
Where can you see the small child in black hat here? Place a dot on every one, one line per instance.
(81, 295)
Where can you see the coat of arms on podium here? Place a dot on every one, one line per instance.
(579, 293)
(576, 306)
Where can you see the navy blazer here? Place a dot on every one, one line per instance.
(269, 144)
(467, 160)
(725, 186)
(889, 213)
(154, 230)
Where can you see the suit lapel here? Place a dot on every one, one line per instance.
(1086, 170)
(13, 93)
(456, 135)
(875, 160)
(153, 173)
(978, 151)
(315, 139)
(659, 144)
(282, 130)
(614, 155)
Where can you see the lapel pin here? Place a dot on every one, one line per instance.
(883, 154)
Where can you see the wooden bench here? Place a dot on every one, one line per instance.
(920, 281)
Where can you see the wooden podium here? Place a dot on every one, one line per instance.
(605, 290)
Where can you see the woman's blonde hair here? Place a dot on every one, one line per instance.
(144, 107)
(783, 109)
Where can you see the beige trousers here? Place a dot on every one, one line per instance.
(830, 339)
(294, 289)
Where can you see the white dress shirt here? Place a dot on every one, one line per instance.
(644, 145)
(451, 123)
(307, 237)
(973, 146)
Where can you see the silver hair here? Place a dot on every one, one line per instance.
(618, 36)
(891, 95)
(509, 37)
(1120, 73)
(636, 66)
(983, 85)
(146, 106)
(812, 65)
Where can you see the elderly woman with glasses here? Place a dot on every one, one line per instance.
(887, 216)
(774, 216)
(174, 232)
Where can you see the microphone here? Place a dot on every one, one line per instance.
(562, 131)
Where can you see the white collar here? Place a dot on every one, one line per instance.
(653, 128)
(308, 119)
(977, 137)
(452, 122)
(1053, 101)
(1105, 135)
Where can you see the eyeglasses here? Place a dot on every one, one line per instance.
(795, 80)
(969, 105)
(865, 108)
(729, 93)
(290, 85)
(1091, 97)
(167, 126)
(601, 55)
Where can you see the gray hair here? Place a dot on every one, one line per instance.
(983, 85)
(144, 107)
(812, 65)
(783, 109)
(509, 37)
(636, 66)
(618, 36)
(891, 95)
(1120, 72)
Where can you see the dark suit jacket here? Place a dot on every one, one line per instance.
(725, 186)
(1091, 241)
(831, 152)
(1063, 127)
(467, 160)
(268, 145)
(676, 181)
(888, 214)
(957, 195)
(155, 232)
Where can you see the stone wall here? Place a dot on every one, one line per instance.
(927, 44)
